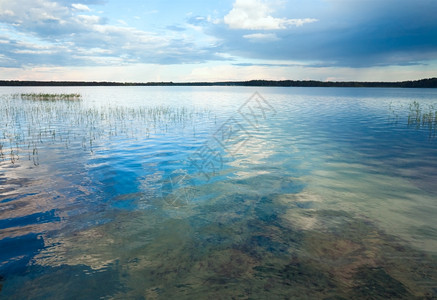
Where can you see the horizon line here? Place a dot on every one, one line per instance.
(425, 82)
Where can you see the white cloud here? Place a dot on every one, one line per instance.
(213, 20)
(81, 7)
(89, 20)
(255, 15)
(73, 37)
(34, 51)
(33, 16)
(122, 22)
(262, 37)
(7, 12)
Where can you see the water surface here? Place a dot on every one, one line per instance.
(199, 192)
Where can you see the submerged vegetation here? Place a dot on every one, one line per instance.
(62, 119)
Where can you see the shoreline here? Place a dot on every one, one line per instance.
(422, 83)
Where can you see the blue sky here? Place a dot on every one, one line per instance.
(195, 40)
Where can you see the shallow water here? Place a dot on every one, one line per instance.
(198, 192)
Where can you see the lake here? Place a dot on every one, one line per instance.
(218, 192)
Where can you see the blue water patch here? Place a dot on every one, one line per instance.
(37, 218)
(17, 197)
(16, 253)
(65, 282)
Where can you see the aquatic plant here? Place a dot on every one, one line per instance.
(49, 97)
(420, 117)
(62, 119)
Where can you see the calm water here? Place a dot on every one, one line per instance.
(204, 192)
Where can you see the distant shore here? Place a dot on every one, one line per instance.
(422, 83)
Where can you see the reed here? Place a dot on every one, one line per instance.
(50, 97)
(421, 117)
(28, 127)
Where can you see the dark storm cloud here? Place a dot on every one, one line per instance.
(348, 33)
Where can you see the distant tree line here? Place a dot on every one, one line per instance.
(423, 83)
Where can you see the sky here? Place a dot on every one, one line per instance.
(162, 40)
